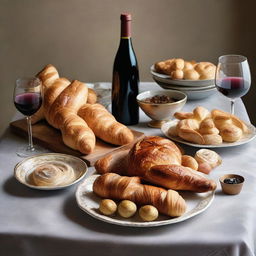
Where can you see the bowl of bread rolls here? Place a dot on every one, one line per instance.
(196, 79)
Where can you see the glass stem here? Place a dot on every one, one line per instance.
(232, 107)
(30, 140)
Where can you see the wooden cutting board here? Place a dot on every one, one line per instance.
(49, 137)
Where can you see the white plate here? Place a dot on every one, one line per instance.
(184, 88)
(247, 138)
(24, 168)
(89, 202)
(192, 94)
(167, 79)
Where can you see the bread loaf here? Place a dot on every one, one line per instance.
(158, 161)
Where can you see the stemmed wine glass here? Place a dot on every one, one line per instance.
(27, 99)
(233, 78)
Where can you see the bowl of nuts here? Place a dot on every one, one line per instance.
(161, 105)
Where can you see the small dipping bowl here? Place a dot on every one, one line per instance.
(231, 189)
(161, 112)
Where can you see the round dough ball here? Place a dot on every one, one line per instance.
(177, 74)
(127, 208)
(189, 161)
(191, 74)
(148, 213)
(107, 207)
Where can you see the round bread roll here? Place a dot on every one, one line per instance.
(191, 74)
(107, 207)
(148, 213)
(188, 65)
(208, 156)
(177, 74)
(177, 64)
(127, 208)
(189, 161)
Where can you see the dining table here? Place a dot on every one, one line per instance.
(37, 222)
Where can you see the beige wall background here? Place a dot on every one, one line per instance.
(81, 37)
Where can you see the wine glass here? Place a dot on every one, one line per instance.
(27, 99)
(233, 78)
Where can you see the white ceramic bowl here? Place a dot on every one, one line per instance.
(161, 112)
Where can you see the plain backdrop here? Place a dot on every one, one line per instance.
(81, 37)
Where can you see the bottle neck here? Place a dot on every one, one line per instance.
(125, 29)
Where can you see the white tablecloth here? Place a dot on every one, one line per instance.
(50, 223)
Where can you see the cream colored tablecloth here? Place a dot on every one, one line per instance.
(50, 223)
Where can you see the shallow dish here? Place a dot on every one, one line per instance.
(167, 79)
(23, 169)
(89, 202)
(165, 127)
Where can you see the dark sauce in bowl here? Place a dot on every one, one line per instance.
(232, 181)
(160, 99)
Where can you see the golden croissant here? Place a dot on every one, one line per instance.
(63, 100)
(114, 186)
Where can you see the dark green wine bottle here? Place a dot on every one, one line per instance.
(125, 78)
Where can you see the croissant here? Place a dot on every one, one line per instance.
(114, 186)
(179, 178)
(51, 81)
(62, 103)
(48, 75)
(104, 125)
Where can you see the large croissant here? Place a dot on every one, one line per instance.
(62, 102)
(111, 185)
(158, 161)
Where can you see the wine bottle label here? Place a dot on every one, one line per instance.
(125, 37)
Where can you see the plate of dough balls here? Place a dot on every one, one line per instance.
(128, 213)
(196, 79)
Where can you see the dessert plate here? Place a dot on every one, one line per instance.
(247, 138)
(167, 79)
(24, 169)
(89, 202)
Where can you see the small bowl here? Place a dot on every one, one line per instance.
(231, 189)
(161, 112)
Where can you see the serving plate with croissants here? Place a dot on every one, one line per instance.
(89, 202)
(208, 129)
(155, 173)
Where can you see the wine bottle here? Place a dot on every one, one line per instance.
(125, 78)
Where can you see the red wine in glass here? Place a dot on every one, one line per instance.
(27, 99)
(233, 77)
(28, 103)
(233, 87)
